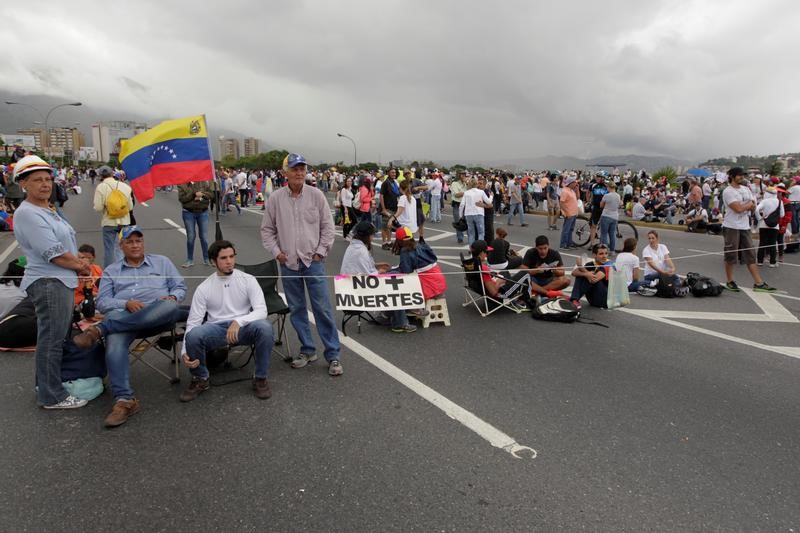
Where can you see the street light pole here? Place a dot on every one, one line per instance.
(45, 119)
(355, 156)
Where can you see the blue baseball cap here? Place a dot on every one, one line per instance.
(127, 231)
(292, 160)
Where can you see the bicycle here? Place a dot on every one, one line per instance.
(582, 231)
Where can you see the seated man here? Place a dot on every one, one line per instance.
(498, 287)
(233, 305)
(696, 219)
(138, 293)
(591, 279)
(545, 267)
(358, 260)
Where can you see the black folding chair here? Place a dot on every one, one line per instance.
(475, 290)
(267, 276)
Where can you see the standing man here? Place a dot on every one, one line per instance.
(232, 304)
(298, 231)
(389, 192)
(739, 203)
(457, 190)
(569, 207)
(515, 201)
(112, 198)
(241, 185)
(195, 198)
(553, 206)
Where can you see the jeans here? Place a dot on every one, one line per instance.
(474, 228)
(596, 294)
(648, 278)
(111, 250)
(795, 207)
(566, 231)
(53, 302)
(518, 208)
(436, 208)
(398, 318)
(214, 335)
(120, 328)
(189, 221)
(230, 200)
(608, 232)
(295, 283)
(456, 217)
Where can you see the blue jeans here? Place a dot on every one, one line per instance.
(596, 294)
(53, 302)
(655, 275)
(398, 318)
(230, 200)
(608, 232)
(189, 221)
(436, 208)
(474, 228)
(120, 328)
(456, 217)
(566, 231)
(111, 250)
(295, 283)
(210, 336)
(516, 207)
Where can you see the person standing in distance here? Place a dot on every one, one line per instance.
(297, 229)
(194, 198)
(111, 226)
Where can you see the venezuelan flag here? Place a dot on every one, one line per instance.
(174, 152)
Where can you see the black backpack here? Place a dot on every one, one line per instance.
(773, 218)
(701, 286)
(665, 287)
(557, 310)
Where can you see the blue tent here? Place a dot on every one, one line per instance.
(701, 172)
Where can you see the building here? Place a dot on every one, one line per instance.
(65, 141)
(36, 133)
(228, 148)
(106, 136)
(251, 147)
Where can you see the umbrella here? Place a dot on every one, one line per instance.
(701, 172)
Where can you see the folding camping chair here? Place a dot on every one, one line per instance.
(358, 315)
(162, 340)
(475, 291)
(267, 276)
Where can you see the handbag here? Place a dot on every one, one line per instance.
(460, 224)
(617, 290)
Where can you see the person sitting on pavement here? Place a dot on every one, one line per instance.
(696, 218)
(546, 268)
(358, 260)
(502, 255)
(235, 312)
(498, 287)
(628, 263)
(591, 279)
(419, 258)
(90, 282)
(639, 211)
(657, 261)
(140, 292)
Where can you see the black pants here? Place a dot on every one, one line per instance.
(767, 239)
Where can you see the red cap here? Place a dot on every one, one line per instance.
(404, 234)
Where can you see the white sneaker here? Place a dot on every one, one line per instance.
(773, 265)
(70, 402)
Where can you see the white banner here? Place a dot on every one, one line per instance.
(26, 141)
(384, 292)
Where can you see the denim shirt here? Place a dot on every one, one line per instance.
(43, 235)
(155, 278)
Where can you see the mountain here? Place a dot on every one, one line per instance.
(552, 162)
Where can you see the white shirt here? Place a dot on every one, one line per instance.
(470, 198)
(706, 189)
(226, 298)
(241, 180)
(794, 193)
(408, 217)
(434, 186)
(733, 219)
(638, 212)
(626, 262)
(658, 256)
(765, 209)
(346, 197)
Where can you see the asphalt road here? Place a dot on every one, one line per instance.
(644, 425)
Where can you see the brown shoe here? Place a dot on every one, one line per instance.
(261, 388)
(121, 411)
(195, 389)
(87, 339)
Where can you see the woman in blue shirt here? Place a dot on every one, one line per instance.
(50, 277)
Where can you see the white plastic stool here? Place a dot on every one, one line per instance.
(437, 312)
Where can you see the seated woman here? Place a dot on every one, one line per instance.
(591, 279)
(502, 256)
(628, 262)
(657, 260)
(497, 287)
(358, 260)
(10, 293)
(419, 258)
(17, 317)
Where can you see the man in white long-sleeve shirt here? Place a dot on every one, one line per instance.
(236, 314)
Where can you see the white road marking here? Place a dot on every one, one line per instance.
(445, 235)
(176, 226)
(491, 434)
(144, 204)
(7, 251)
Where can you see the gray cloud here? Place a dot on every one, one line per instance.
(439, 80)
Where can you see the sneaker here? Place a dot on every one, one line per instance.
(408, 328)
(732, 286)
(188, 264)
(87, 339)
(195, 389)
(121, 411)
(335, 368)
(773, 265)
(205, 262)
(576, 303)
(763, 287)
(761, 264)
(261, 388)
(70, 402)
(303, 359)
(418, 313)
(524, 225)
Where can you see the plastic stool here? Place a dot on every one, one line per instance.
(437, 312)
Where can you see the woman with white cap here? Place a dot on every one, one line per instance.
(50, 277)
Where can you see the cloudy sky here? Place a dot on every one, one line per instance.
(438, 79)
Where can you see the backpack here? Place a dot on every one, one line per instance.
(773, 218)
(665, 287)
(61, 193)
(116, 203)
(357, 199)
(557, 310)
(700, 285)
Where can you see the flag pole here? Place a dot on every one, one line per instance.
(217, 196)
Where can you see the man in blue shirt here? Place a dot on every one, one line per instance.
(138, 293)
